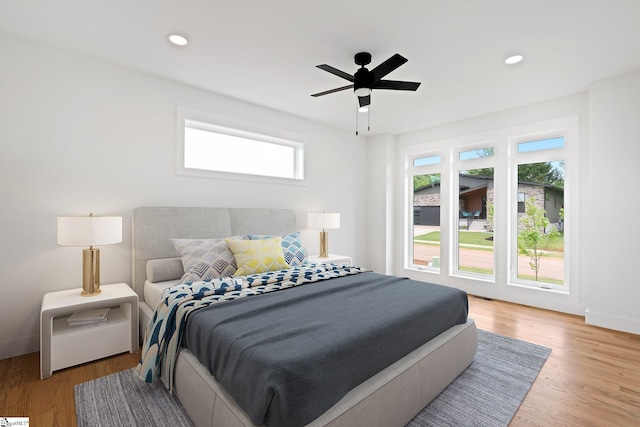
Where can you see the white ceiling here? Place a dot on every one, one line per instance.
(265, 52)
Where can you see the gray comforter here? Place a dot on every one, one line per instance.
(288, 356)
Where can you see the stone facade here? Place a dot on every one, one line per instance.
(426, 199)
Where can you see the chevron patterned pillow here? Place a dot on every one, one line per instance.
(258, 256)
(205, 259)
(294, 252)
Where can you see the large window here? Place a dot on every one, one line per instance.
(475, 192)
(221, 147)
(425, 229)
(497, 211)
(540, 213)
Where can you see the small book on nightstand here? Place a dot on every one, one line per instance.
(85, 317)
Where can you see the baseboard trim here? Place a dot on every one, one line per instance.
(19, 347)
(605, 320)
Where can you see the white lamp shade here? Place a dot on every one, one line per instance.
(89, 230)
(324, 220)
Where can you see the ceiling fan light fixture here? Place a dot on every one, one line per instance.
(514, 59)
(177, 39)
(364, 81)
(362, 91)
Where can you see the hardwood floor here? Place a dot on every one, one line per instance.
(592, 377)
(50, 402)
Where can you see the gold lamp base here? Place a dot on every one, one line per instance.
(324, 244)
(90, 272)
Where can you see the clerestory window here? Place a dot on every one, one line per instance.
(219, 147)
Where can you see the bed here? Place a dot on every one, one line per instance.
(390, 397)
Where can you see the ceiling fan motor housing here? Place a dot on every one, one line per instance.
(363, 79)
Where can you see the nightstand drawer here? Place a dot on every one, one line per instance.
(73, 345)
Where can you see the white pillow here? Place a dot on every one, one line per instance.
(160, 270)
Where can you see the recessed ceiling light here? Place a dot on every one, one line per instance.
(177, 39)
(513, 59)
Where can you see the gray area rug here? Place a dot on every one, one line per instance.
(487, 394)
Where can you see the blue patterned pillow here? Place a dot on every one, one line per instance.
(294, 252)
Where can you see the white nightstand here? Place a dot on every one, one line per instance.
(334, 259)
(62, 345)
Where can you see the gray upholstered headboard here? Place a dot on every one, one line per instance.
(153, 227)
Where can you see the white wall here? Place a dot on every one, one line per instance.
(80, 136)
(381, 172)
(611, 215)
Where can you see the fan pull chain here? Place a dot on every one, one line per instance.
(368, 117)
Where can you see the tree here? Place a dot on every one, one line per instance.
(546, 173)
(484, 152)
(542, 173)
(533, 241)
(421, 181)
(490, 213)
(479, 172)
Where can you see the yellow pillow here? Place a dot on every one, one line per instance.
(257, 256)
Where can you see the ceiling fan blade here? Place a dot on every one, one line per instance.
(364, 100)
(396, 85)
(336, 72)
(338, 89)
(388, 66)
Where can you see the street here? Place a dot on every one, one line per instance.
(550, 267)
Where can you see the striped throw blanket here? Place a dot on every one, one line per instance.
(164, 332)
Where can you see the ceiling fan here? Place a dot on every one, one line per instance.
(364, 81)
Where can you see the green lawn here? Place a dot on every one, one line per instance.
(540, 279)
(481, 239)
(467, 238)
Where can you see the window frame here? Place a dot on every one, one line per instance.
(426, 169)
(458, 166)
(506, 159)
(200, 120)
(541, 156)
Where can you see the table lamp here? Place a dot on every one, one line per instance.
(89, 231)
(324, 221)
